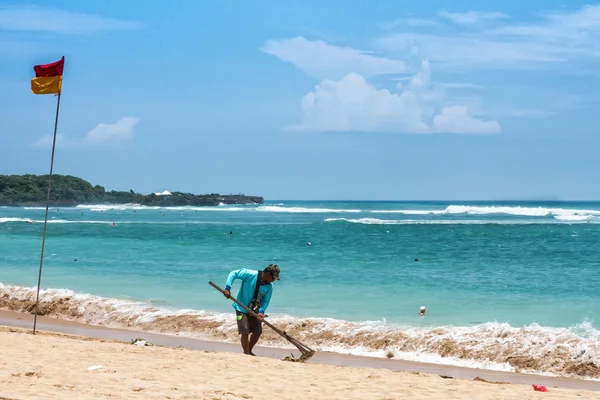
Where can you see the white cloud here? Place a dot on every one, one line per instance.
(421, 78)
(470, 51)
(62, 141)
(554, 39)
(345, 101)
(321, 60)
(456, 119)
(120, 131)
(352, 104)
(574, 35)
(43, 19)
(586, 18)
(471, 17)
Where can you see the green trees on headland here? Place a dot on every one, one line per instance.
(31, 190)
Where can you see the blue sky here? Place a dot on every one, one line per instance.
(309, 99)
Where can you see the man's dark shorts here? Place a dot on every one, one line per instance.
(247, 324)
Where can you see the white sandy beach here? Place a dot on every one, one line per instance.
(57, 366)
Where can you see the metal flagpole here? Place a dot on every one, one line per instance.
(37, 298)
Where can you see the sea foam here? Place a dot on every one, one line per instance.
(570, 352)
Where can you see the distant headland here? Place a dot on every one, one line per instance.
(69, 191)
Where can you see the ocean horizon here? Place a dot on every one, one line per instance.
(508, 284)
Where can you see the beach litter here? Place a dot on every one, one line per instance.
(94, 367)
(140, 342)
(539, 388)
(486, 381)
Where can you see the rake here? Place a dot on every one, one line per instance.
(306, 351)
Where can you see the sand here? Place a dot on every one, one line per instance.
(57, 366)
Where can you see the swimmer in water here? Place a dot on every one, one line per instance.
(422, 311)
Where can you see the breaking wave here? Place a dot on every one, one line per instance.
(51, 221)
(106, 207)
(569, 352)
(365, 221)
(521, 211)
(305, 209)
(376, 221)
(3, 220)
(562, 214)
(109, 223)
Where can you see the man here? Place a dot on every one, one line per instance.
(255, 293)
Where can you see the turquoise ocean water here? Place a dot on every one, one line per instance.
(507, 285)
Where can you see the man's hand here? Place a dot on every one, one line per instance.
(226, 293)
(260, 316)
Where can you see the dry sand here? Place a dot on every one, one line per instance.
(55, 366)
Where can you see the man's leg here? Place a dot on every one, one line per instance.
(256, 328)
(245, 345)
(253, 340)
(243, 330)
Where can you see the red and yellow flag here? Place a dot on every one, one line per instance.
(48, 78)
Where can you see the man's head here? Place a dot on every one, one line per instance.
(271, 273)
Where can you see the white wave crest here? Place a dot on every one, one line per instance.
(206, 208)
(304, 210)
(561, 214)
(106, 207)
(573, 217)
(376, 221)
(520, 211)
(50, 221)
(557, 213)
(410, 212)
(9, 219)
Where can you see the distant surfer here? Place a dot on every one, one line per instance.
(231, 232)
(422, 311)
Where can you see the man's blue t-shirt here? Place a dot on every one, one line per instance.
(244, 296)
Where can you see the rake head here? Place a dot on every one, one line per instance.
(303, 358)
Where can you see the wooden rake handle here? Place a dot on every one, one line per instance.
(302, 347)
